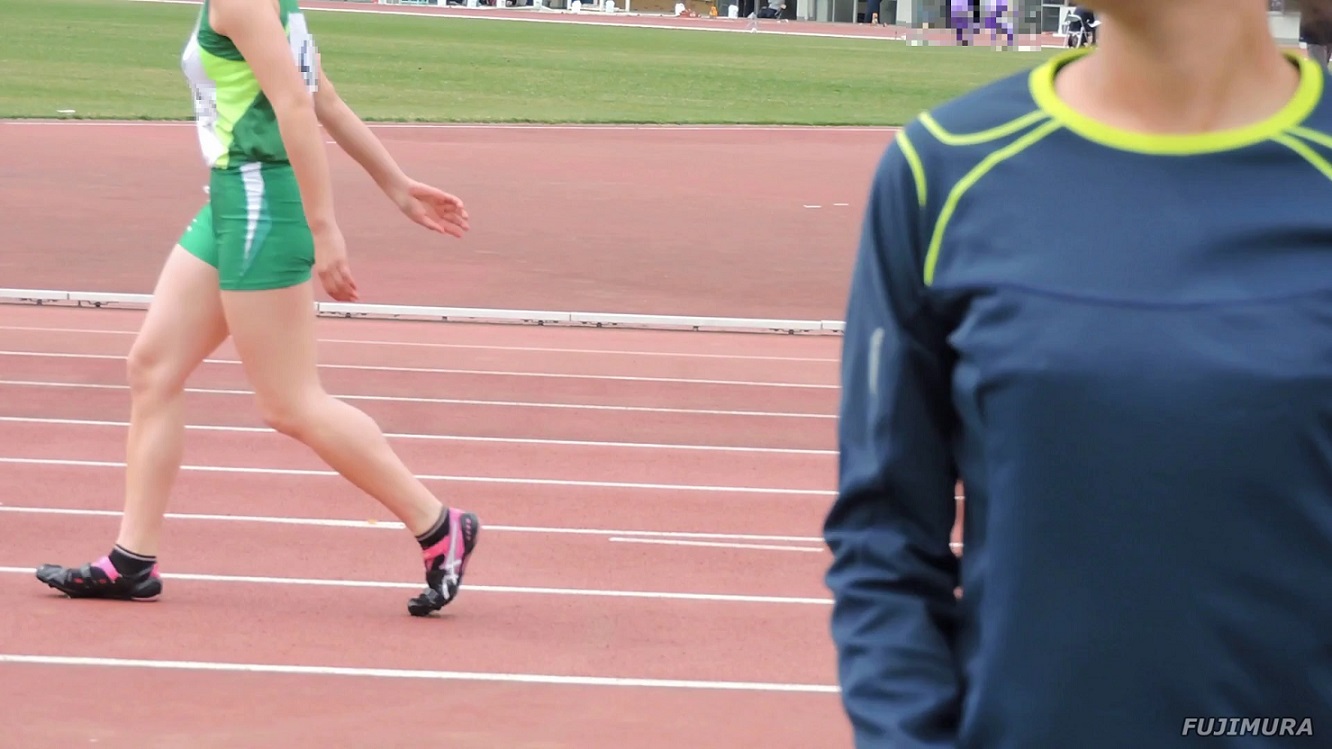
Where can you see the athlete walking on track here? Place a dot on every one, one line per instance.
(244, 268)
(1140, 410)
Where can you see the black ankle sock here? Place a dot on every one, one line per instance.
(437, 531)
(128, 563)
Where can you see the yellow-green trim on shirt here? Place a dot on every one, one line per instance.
(1300, 106)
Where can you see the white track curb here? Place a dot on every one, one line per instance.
(99, 300)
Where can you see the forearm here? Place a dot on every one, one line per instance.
(358, 141)
(305, 150)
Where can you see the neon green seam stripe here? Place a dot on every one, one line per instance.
(1322, 139)
(1301, 105)
(984, 136)
(913, 161)
(967, 182)
(1318, 162)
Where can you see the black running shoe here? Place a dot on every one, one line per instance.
(101, 580)
(445, 563)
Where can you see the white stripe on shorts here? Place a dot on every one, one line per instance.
(254, 205)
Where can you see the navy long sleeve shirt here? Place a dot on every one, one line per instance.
(1122, 345)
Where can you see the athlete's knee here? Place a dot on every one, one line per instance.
(289, 414)
(152, 372)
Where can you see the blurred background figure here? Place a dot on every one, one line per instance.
(1316, 31)
(969, 18)
(1081, 27)
(964, 16)
(997, 18)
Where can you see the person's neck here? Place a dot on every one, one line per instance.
(1176, 68)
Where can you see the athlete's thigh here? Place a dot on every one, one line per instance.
(273, 331)
(265, 255)
(184, 322)
(198, 239)
(263, 239)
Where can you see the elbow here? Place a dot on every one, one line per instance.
(294, 106)
(328, 106)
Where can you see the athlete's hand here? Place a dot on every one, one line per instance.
(331, 264)
(431, 207)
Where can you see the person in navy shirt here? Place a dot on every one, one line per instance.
(1099, 294)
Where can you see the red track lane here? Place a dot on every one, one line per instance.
(561, 219)
(510, 361)
(332, 497)
(810, 473)
(382, 333)
(370, 628)
(504, 559)
(821, 28)
(66, 706)
(503, 631)
(472, 420)
(676, 395)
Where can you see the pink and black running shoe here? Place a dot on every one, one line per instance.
(101, 580)
(445, 563)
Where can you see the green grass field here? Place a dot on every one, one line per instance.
(119, 59)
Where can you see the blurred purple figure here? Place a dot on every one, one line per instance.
(997, 19)
(970, 17)
(965, 18)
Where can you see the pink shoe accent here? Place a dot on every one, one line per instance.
(438, 550)
(453, 539)
(104, 564)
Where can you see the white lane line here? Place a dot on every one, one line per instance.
(485, 372)
(476, 346)
(397, 526)
(442, 437)
(715, 544)
(455, 401)
(394, 673)
(524, 590)
(437, 477)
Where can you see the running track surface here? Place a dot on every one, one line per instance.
(651, 572)
(707, 221)
(590, 455)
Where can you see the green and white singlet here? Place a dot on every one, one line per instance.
(253, 229)
(235, 121)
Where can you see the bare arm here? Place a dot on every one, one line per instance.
(256, 30)
(428, 206)
(352, 135)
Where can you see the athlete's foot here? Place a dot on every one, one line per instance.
(101, 580)
(445, 563)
